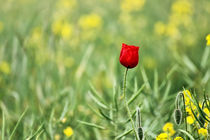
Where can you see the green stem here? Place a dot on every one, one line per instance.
(126, 105)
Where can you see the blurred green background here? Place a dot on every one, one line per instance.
(51, 50)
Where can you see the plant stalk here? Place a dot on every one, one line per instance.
(126, 104)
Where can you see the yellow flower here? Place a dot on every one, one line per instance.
(163, 136)
(203, 131)
(57, 137)
(169, 128)
(187, 96)
(178, 138)
(57, 27)
(159, 28)
(68, 131)
(91, 21)
(206, 111)
(1, 26)
(132, 5)
(62, 28)
(66, 4)
(5, 67)
(36, 36)
(208, 40)
(63, 120)
(190, 119)
(66, 31)
(182, 7)
(172, 31)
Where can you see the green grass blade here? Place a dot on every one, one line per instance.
(145, 78)
(124, 134)
(65, 110)
(95, 92)
(186, 133)
(136, 94)
(19, 120)
(98, 102)
(205, 57)
(91, 125)
(37, 132)
(104, 115)
(3, 125)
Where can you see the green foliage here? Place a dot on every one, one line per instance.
(59, 60)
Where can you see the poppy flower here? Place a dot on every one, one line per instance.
(129, 56)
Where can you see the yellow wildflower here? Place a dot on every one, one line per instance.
(206, 111)
(208, 40)
(169, 128)
(187, 96)
(57, 137)
(178, 138)
(159, 28)
(163, 136)
(190, 119)
(5, 67)
(62, 28)
(66, 4)
(132, 5)
(90, 21)
(203, 131)
(172, 31)
(182, 7)
(68, 131)
(1, 26)
(57, 27)
(63, 120)
(66, 31)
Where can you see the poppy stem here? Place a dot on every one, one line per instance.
(126, 105)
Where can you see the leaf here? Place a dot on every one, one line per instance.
(145, 78)
(3, 125)
(91, 125)
(65, 109)
(95, 93)
(97, 101)
(186, 133)
(19, 120)
(155, 83)
(205, 57)
(190, 64)
(124, 134)
(200, 123)
(37, 132)
(136, 94)
(104, 115)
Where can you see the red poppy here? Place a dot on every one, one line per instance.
(129, 55)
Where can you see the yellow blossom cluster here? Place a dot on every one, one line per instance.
(62, 28)
(190, 118)
(181, 13)
(5, 68)
(132, 5)
(168, 131)
(90, 21)
(208, 40)
(68, 131)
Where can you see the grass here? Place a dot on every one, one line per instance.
(66, 73)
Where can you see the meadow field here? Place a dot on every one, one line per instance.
(61, 78)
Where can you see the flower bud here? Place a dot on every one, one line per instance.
(140, 133)
(178, 116)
